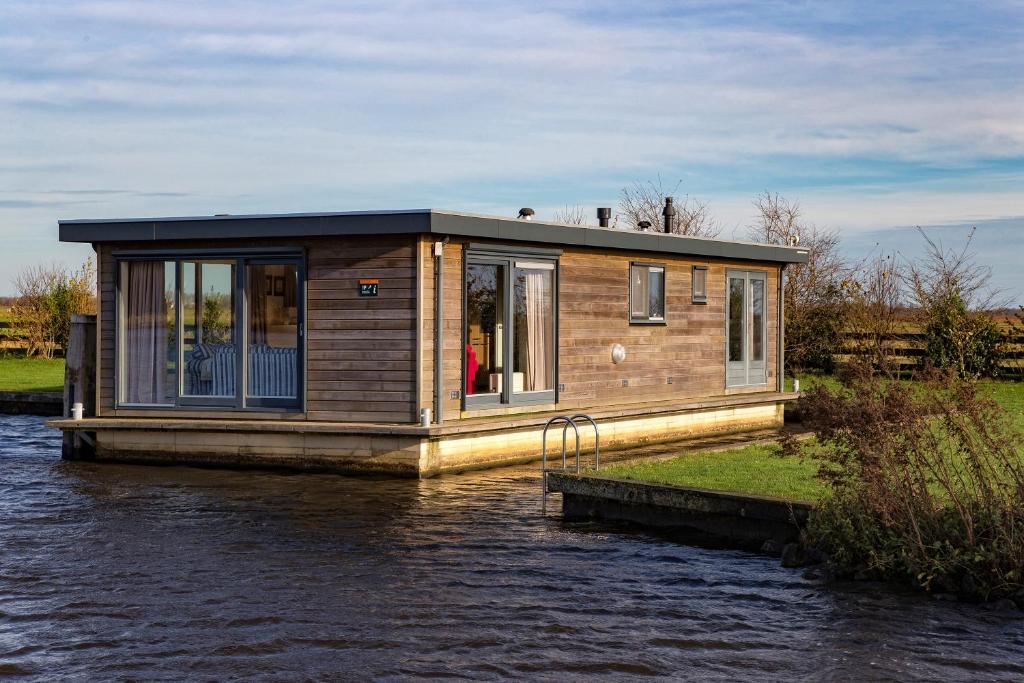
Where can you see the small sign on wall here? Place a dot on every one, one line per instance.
(369, 287)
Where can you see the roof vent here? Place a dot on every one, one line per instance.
(526, 213)
(669, 212)
(603, 215)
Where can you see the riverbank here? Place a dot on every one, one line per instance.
(21, 374)
(31, 386)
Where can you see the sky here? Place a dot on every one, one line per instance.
(875, 116)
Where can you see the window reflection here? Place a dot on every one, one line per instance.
(273, 319)
(533, 363)
(485, 302)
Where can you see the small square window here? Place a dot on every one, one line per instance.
(700, 285)
(646, 293)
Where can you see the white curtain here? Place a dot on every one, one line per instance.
(540, 329)
(145, 334)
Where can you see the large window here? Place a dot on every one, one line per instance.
(510, 348)
(220, 331)
(646, 293)
(746, 330)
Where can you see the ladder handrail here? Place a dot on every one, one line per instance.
(544, 446)
(570, 421)
(597, 439)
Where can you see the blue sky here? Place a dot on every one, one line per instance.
(873, 115)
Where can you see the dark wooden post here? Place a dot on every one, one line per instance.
(80, 382)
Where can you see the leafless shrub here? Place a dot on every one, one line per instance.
(875, 293)
(927, 483)
(645, 202)
(571, 215)
(814, 291)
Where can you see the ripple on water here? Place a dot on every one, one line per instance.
(152, 572)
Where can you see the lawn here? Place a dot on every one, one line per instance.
(759, 470)
(31, 374)
(754, 469)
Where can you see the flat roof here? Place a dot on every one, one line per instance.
(414, 221)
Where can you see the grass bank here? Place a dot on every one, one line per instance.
(754, 469)
(31, 374)
(760, 470)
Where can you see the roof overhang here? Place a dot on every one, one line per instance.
(419, 221)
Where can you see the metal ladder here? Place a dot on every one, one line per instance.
(570, 421)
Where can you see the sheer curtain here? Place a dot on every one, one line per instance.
(146, 334)
(539, 330)
(258, 292)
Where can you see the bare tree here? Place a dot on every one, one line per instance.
(876, 295)
(645, 202)
(571, 215)
(814, 296)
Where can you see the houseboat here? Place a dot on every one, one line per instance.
(422, 341)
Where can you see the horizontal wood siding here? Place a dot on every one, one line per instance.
(360, 351)
(594, 315)
(689, 348)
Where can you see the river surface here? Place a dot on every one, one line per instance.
(133, 572)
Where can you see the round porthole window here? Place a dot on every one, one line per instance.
(618, 353)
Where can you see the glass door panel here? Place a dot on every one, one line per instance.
(746, 328)
(209, 346)
(485, 333)
(756, 365)
(148, 333)
(533, 358)
(272, 311)
(736, 361)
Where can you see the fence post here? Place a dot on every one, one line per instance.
(79, 382)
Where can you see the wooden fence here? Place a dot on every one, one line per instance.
(14, 341)
(906, 349)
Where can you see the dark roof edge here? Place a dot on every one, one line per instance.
(506, 229)
(422, 221)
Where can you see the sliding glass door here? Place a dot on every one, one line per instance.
(223, 331)
(509, 333)
(208, 334)
(272, 311)
(746, 328)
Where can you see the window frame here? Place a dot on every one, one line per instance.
(508, 258)
(241, 258)
(748, 366)
(648, 320)
(694, 297)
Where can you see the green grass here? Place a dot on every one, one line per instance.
(758, 470)
(31, 374)
(754, 469)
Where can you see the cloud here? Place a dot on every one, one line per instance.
(862, 110)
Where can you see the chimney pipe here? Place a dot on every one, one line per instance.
(669, 212)
(603, 215)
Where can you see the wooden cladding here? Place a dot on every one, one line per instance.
(683, 358)
(360, 350)
(371, 358)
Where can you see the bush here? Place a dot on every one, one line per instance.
(969, 344)
(953, 297)
(927, 484)
(47, 298)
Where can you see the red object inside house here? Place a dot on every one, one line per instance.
(472, 365)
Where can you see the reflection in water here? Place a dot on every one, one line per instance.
(150, 572)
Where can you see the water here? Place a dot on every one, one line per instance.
(110, 571)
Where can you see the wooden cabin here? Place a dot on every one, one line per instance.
(313, 340)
